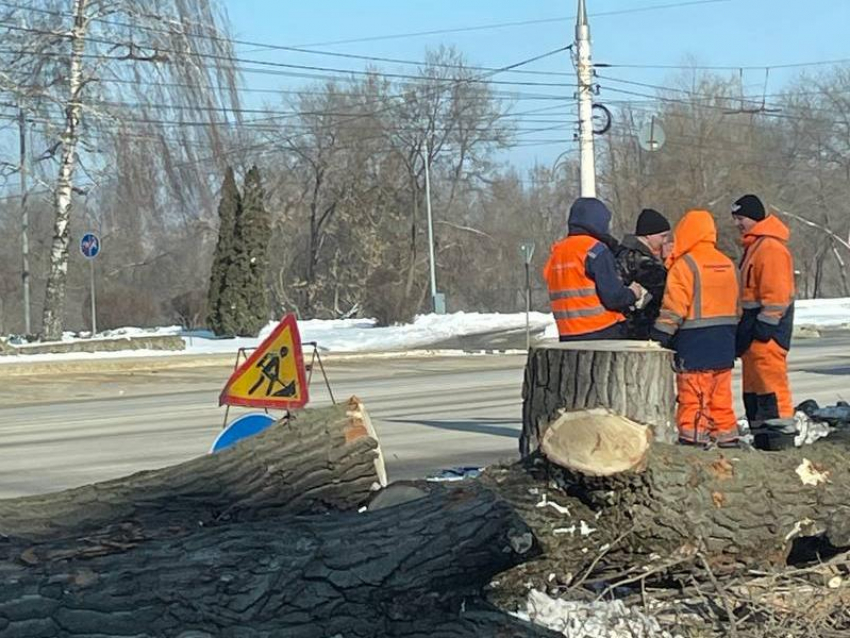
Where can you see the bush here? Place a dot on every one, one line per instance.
(119, 306)
(385, 299)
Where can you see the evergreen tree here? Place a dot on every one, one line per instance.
(229, 208)
(245, 294)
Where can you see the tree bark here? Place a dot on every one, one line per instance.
(321, 459)
(631, 378)
(54, 302)
(738, 510)
(408, 570)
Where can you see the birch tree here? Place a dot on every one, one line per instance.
(91, 72)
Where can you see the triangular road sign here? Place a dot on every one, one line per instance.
(273, 376)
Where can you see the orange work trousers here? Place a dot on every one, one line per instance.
(705, 413)
(767, 394)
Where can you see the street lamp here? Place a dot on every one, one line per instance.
(438, 300)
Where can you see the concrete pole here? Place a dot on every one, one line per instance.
(25, 224)
(430, 227)
(584, 71)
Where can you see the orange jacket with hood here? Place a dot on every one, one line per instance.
(767, 285)
(700, 312)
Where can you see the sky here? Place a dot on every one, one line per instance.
(736, 33)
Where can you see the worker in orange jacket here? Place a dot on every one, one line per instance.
(588, 298)
(767, 299)
(699, 317)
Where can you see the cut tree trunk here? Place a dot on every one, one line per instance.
(631, 378)
(325, 458)
(597, 443)
(415, 569)
(675, 507)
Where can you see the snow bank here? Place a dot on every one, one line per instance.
(808, 313)
(362, 335)
(576, 619)
(822, 313)
(337, 336)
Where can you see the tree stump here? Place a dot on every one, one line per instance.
(321, 459)
(634, 379)
(597, 443)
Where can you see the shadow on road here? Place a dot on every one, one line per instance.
(510, 429)
(835, 370)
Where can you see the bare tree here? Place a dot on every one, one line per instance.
(106, 65)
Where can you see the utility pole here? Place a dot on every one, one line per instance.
(25, 245)
(584, 72)
(427, 159)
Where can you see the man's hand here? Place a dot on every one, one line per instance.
(642, 296)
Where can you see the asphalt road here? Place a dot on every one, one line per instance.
(67, 429)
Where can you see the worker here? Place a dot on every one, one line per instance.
(698, 319)
(640, 258)
(588, 297)
(767, 300)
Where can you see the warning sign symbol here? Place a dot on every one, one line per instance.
(273, 376)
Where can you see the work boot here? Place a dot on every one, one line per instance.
(775, 434)
(701, 441)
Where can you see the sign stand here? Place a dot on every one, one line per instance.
(316, 358)
(93, 301)
(242, 356)
(90, 248)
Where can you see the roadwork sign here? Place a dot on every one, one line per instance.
(273, 376)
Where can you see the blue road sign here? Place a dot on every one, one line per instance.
(90, 245)
(242, 428)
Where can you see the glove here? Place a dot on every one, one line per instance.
(642, 296)
(763, 332)
(644, 300)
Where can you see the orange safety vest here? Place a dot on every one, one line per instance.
(767, 271)
(575, 303)
(700, 306)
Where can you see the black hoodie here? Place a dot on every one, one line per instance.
(636, 262)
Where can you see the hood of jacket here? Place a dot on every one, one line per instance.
(770, 226)
(589, 216)
(696, 227)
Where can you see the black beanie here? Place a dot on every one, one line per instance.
(749, 206)
(651, 222)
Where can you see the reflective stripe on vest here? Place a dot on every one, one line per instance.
(770, 314)
(571, 294)
(575, 303)
(697, 321)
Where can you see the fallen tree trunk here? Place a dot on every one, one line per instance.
(408, 570)
(669, 508)
(631, 378)
(326, 458)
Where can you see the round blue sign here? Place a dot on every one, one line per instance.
(90, 245)
(242, 428)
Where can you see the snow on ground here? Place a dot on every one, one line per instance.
(336, 336)
(362, 335)
(600, 619)
(822, 313)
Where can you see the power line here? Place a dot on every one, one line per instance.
(697, 67)
(291, 49)
(302, 48)
(274, 68)
(502, 25)
(725, 109)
